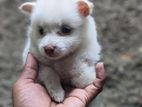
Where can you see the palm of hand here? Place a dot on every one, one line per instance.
(27, 93)
(34, 95)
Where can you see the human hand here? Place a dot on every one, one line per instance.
(28, 93)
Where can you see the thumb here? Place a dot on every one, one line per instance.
(84, 96)
(30, 69)
(94, 89)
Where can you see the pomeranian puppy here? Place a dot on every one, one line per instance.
(63, 38)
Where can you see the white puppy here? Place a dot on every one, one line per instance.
(62, 36)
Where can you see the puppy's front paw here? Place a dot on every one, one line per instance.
(58, 95)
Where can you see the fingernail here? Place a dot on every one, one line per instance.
(28, 56)
(101, 63)
(99, 66)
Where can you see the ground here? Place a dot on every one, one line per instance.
(120, 34)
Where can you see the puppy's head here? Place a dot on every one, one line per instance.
(57, 26)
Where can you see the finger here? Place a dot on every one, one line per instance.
(91, 91)
(100, 71)
(100, 75)
(94, 89)
(30, 68)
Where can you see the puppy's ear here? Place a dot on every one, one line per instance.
(85, 7)
(27, 7)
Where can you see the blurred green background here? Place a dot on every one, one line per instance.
(120, 33)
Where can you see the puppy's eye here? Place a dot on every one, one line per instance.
(41, 31)
(65, 30)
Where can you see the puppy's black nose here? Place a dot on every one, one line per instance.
(49, 50)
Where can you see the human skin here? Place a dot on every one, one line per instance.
(27, 93)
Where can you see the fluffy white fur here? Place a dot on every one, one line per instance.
(75, 55)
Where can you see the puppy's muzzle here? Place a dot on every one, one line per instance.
(50, 50)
